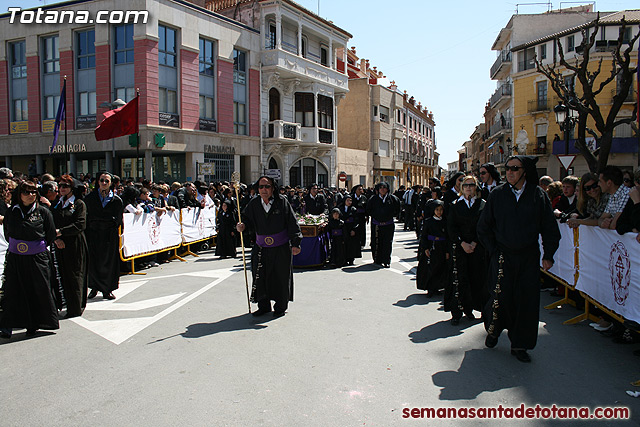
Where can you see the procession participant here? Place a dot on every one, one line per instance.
(278, 237)
(225, 225)
(360, 203)
(27, 301)
(104, 217)
(432, 271)
(70, 218)
(315, 204)
(336, 231)
(452, 194)
(351, 238)
(490, 178)
(382, 208)
(466, 291)
(509, 228)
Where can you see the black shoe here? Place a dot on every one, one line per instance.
(470, 316)
(31, 332)
(92, 294)
(278, 313)
(521, 355)
(5, 334)
(109, 295)
(455, 322)
(490, 341)
(260, 312)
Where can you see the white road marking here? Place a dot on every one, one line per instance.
(119, 330)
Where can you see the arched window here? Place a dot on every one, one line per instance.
(308, 171)
(274, 104)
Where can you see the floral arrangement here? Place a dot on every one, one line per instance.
(311, 219)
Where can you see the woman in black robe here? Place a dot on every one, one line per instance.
(104, 217)
(467, 290)
(70, 251)
(432, 271)
(349, 215)
(226, 225)
(28, 301)
(278, 238)
(382, 208)
(336, 231)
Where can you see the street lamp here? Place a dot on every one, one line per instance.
(112, 106)
(566, 118)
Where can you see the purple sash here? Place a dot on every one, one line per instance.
(272, 240)
(376, 222)
(336, 232)
(361, 210)
(349, 220)
(435, 238)
(26, 247)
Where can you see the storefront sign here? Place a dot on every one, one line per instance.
(219, 149)
(387, 173)
(19, 127)
(71, 148)
(169, 119)
(208, 124)
(47, 125)
(86, 122)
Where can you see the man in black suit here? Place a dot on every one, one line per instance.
(315, 203)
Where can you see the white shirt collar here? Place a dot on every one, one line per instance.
(266, 206)
(571, 199)
(383, 198)
(468, 202)
(519, 192)
(437, 218)
(33, 208)
(67, 202)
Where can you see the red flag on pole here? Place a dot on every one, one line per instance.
(119, 122)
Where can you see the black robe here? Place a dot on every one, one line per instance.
(72, 261)
(315, 206)
(469, 270)
(382, 235)
(28, 300)
(509, 230)
(336, 230)
(272, 268)
(103, 241)
(361, 218)
(226, 226)
(432, 272)
(351, 243)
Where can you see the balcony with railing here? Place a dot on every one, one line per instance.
(502, 93)
(500, 126)
(279, 129)
(501, 66)
(538, 105)
(631, 97)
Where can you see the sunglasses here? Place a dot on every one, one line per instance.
(468, 185)
(261, 186)
(64, 185)
(105, 181)
(29, 192)
(513, 168)
(590, 187)
(483, 173)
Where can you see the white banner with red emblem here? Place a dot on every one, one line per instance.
(198, 224)
(149, 232)
(609, 266)
(564, 264)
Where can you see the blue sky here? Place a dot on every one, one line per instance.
(439, 52)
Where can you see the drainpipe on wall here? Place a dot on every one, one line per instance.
(261, 165)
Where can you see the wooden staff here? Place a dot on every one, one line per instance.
(235, 177)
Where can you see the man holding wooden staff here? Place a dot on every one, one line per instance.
(278, 238)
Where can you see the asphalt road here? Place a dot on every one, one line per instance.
(358, 346)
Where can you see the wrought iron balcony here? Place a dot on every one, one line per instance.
(502, 64)
(500, 126)
(503, 91)
(537, 105)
